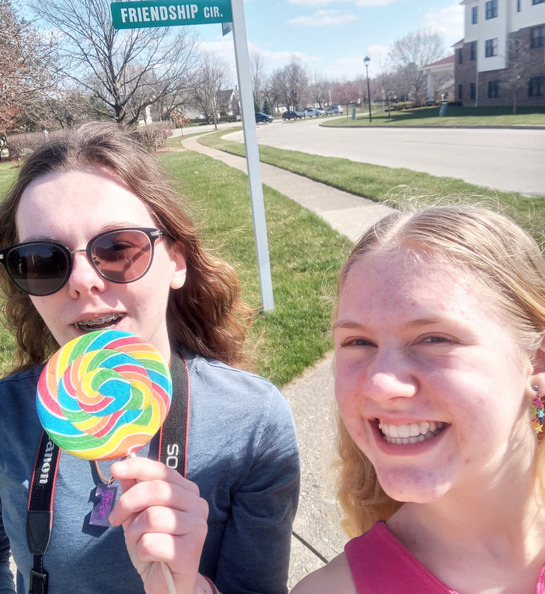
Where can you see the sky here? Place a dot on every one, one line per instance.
(331, 37)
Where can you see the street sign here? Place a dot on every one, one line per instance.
(169, 13)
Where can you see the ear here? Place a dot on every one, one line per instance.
(537, 375)
(179, 273)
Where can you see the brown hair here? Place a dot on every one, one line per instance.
(206, 314)
(501, 257)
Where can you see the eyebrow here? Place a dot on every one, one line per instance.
(104, 229)
(350, 325)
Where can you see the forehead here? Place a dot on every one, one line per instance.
(85, 200)
(404, 283)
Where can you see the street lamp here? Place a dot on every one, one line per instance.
(366, 61)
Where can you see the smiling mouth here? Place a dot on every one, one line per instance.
(411, 433)
(101, 323)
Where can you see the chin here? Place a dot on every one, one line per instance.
(413, 486)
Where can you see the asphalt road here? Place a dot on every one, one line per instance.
(512, 160)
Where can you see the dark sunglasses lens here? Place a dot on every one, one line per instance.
(122, 256)
(38, 268)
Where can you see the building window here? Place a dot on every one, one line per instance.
(472, 90)
(491, 47)
(537, 37)
(460, 92)
(537, 1)
(460, 57)
(491, 9)
(518, 5)
(473, 50)
(493, 89)
(536, 88)
(474, 15)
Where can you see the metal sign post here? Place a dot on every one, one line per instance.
(167, 13)
(252, 152)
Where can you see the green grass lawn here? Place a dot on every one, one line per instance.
(456, 116)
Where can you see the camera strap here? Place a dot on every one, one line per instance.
(170, 442)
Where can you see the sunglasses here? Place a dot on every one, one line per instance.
(42, 268)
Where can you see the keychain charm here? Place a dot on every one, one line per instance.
(106, 495)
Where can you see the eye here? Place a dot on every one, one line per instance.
(437, 339)
(357, 342)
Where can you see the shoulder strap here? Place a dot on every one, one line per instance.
(172, 448)
(40, 510)
(174, 432)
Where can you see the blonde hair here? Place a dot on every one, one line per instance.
(498, 254)
(206, 314)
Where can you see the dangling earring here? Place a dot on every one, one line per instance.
(537, 413)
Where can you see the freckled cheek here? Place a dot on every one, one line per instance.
(347, 394)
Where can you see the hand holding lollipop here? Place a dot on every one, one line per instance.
(103, 396)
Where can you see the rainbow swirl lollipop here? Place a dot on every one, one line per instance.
(104, 395)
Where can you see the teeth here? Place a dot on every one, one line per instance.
(88, 325)
(412, 433)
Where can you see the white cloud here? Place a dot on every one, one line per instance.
(449, 22)
(323, 18)
(352, 67)
(224, 50)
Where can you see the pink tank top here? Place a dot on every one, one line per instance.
(381, 565)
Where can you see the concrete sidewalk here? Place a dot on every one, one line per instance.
(318, 536)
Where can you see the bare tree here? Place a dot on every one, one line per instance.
(345, 93)
(125, 71)
(257, 73)
(67, 108)
(409, 54)
(517, 75)
(320, 90)
(26, 67)
(213, 75)
(289, 85)
(274, 89)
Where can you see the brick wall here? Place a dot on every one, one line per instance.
(465, 73)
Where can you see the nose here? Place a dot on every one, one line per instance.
(389, 376)
(84, 278)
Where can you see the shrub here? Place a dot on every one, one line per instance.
(153, 136)
(21, 145)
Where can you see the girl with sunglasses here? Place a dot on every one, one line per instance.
(95, 237)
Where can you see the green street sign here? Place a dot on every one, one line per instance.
(169, 13)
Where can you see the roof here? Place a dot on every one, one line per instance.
(444, 65)
(443, 62)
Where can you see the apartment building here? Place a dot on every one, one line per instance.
(501, 60)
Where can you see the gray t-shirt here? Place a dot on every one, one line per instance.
(242, 453)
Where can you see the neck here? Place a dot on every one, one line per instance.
(501, 530)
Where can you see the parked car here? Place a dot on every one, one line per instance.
(334, 110)
(311, 112)
(263, 118)
(292, 115)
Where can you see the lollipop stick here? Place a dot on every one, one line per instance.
(168, 578)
